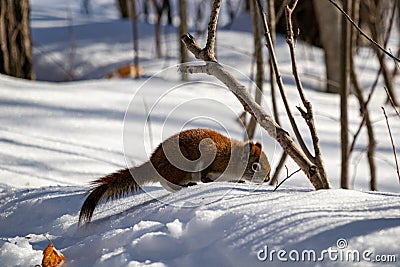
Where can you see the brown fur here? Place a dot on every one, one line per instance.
(230, 154)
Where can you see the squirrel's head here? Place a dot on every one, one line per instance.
(257, 168)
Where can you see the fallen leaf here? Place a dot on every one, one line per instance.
(52, 257)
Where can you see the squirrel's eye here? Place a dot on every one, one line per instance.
(256, 167)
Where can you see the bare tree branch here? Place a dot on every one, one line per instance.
(271, 22)
(263, 118)
(363, 33)
(392, 102)
(287, 177)
(259, 60)
(375, 83)
(365, 117)
(391, 140)
(280, 84)
(375, 24)
(344, 91)
(308, 113)
(281, 162)
(212, 30)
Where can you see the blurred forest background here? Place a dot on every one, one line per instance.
(316, 22)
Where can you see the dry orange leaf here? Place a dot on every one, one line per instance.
(52, 257)
(125, 72)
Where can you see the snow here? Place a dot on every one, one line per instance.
(227, 232)
(57, 137)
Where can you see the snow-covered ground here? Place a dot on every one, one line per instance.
(57, 137)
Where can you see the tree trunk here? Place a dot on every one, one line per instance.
(328, 18)
(159, 13)
(251, 127)
(167, 9)
(15, 39)
(345, 84)
(304, 18)
(123, 8)
(360, 97)
(158, 37)
(183, 30)
(135, 33)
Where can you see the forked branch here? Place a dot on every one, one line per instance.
(307, 114)
(260, 115)
(279, 82)
(287, 177)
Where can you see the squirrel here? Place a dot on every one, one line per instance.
(188, 157)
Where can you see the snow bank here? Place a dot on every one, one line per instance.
(228, 232)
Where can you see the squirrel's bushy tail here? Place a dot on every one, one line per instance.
(112, 186)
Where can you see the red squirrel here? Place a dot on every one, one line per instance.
(188, 157)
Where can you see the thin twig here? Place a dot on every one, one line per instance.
(291, 43)
(362, 103)
(375, 83)
(274, 179)
(392, 102)
(307, 114)
(355, 164)
(363, 33)
(370, 131)
(353, 143)
(353, 76)
(272, 19)
(58, 63)
(391, 140)
(280, 83)
(287, 177)
(290, 40)
(281, 10)
(387, 36)
(345, 55)
(373, 23)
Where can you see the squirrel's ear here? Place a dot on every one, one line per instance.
(252, 149)
(259, 145)
(256, 149)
